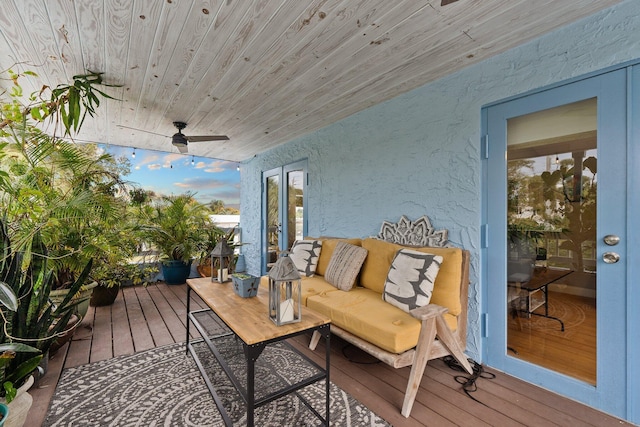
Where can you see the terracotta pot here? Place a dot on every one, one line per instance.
(67, 334)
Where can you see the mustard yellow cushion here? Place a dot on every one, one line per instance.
(446, 290)
(328, 246)
(363, 313)
(376, 267)
(310, 286)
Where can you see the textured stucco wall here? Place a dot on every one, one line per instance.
(419, 153)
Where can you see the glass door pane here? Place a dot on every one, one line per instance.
(295, 207)
(551, 238)
(273, 221)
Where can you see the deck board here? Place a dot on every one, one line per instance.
(145, 317)
(122, 339)
(142, 339)
(102, 343)
(159, 331)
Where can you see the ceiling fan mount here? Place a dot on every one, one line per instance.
(181, 140)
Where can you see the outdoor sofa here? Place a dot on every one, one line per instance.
(361, 316)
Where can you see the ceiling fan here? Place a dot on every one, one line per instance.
(181, 140)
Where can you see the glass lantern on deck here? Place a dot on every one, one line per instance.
(285, 296)
(223, 254)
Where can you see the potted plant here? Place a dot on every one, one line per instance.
(64, 192)
(215, 234)
(32, 322)
(177, 228)
(245, 285)
(111, 278)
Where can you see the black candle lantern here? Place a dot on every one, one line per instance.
(223, 254)
(285, 296)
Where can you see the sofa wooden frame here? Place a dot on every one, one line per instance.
(435, 340)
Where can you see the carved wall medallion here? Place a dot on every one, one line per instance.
(413, 233)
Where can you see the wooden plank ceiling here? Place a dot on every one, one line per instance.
(264, 71)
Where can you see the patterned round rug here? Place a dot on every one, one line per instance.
(163, 387)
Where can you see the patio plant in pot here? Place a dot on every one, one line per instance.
(65, 192)
(44, 182)
(120, 265)
(214, 235)
(31, 329)
(176, 226)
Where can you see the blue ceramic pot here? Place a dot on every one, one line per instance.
(175, 272)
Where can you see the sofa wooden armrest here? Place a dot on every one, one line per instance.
(433, 325)
(442, 323)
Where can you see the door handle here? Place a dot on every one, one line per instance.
(610, 257)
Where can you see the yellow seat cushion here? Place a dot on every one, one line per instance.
(363, 313)
(446, 290)
(310, 286)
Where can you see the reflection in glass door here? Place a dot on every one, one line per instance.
(295, 206)
(284, 216)
(551, 235)
(273, 221)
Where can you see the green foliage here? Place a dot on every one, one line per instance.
(65, 192)
(56, 199)
(35, 322)
(177, 226)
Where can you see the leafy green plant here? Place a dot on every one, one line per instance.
(36, 322)
(177, 226)
(65, 192)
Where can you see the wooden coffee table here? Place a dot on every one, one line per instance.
(248, 319)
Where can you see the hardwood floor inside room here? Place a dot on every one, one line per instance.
(539, 340)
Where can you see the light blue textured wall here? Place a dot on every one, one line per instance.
(419, 153)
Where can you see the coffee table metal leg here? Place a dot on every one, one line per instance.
(327, 333)
(252, 352)
(188, 311)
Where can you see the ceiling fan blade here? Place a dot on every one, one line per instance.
(142, 130)
(446, 2)
(202, 138)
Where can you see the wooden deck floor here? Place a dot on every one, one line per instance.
(143, 318)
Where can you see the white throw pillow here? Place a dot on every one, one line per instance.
(410, 279)
(305, 254)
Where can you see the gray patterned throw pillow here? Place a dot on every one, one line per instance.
(305, 254)
(344, 265)
(410, 279)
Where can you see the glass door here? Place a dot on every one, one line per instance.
(555, 251)
(284, 213)
(552, 181)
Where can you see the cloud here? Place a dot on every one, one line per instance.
(154, 166)
(215, 166)
(201, 183)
